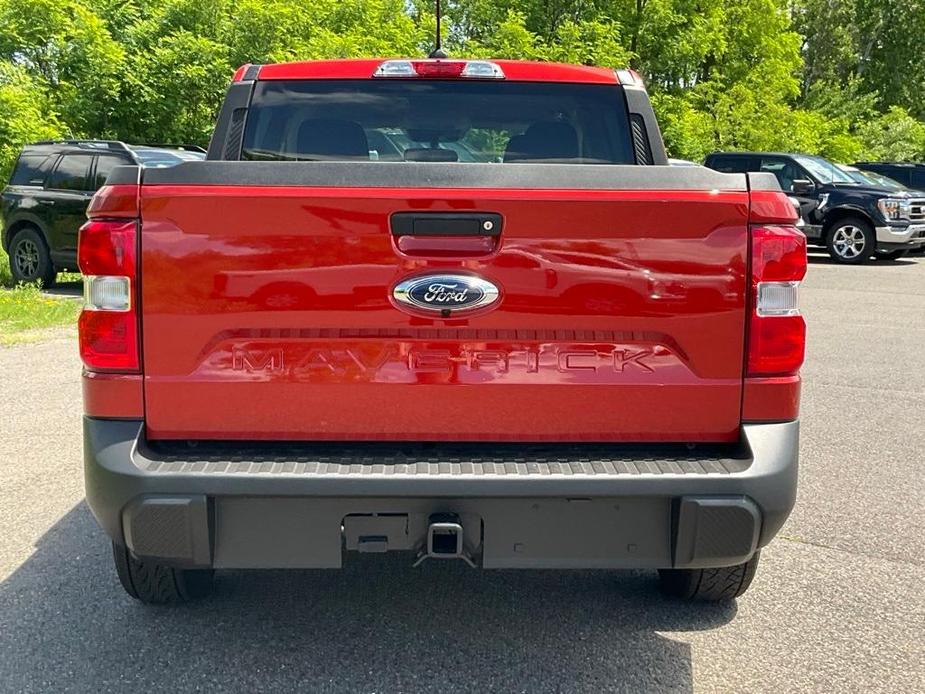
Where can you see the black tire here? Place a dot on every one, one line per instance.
(851, 241)
(892, 255)
(30, 260)
(725, 583)
(156, 584)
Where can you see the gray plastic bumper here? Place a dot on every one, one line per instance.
(645, 511)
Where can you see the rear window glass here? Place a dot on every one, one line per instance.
(437, 120)
(30, 170)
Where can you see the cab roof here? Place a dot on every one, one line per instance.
(363, 68)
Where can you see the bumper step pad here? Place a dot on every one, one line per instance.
(481, 459)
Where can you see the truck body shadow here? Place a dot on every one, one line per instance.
(377, 625)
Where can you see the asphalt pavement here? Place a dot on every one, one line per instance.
(838, 604)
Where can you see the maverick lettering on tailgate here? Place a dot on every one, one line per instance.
(401, 361)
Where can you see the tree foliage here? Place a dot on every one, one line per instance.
(26, 113)
(843, 78)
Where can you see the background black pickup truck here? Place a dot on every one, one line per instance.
(853, 221)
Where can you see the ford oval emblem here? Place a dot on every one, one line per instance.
(445, 294)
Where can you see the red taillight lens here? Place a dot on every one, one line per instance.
(777, 331)
(439, 68)
(108, 325)
(107, 247)
(108, 340)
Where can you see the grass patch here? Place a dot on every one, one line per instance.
(25, 313)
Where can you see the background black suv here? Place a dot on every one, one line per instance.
(853, 220)
(910, 175)
(46, 200)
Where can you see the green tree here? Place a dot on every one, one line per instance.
(171, 92)
(894, 136)
(26, 114)
(68, 51)
(837, 77)
(876, 43)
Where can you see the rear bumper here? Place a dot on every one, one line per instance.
(648, 511)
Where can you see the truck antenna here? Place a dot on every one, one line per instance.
(438, 51)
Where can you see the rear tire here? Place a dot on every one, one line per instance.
(30, 260)
(892, 255)
(157, 584)
(851, 241)
(713, 585)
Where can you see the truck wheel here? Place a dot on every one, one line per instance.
(724, 583)
(156, 584)
(892, 255)
(851, 241)
(30, 260)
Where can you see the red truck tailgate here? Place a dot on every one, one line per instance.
(268, 313)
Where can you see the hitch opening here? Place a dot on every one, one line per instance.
(444, 539)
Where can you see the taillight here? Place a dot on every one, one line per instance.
(471, 69)
(108, 325)
(777, 331)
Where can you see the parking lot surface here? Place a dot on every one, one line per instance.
(837, 606)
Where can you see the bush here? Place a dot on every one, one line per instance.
(6, 277)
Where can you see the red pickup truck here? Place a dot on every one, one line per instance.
(459, 309)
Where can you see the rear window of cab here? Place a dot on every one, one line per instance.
(437, 121)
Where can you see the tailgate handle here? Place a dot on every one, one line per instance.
(446, 224)
(444, 234)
